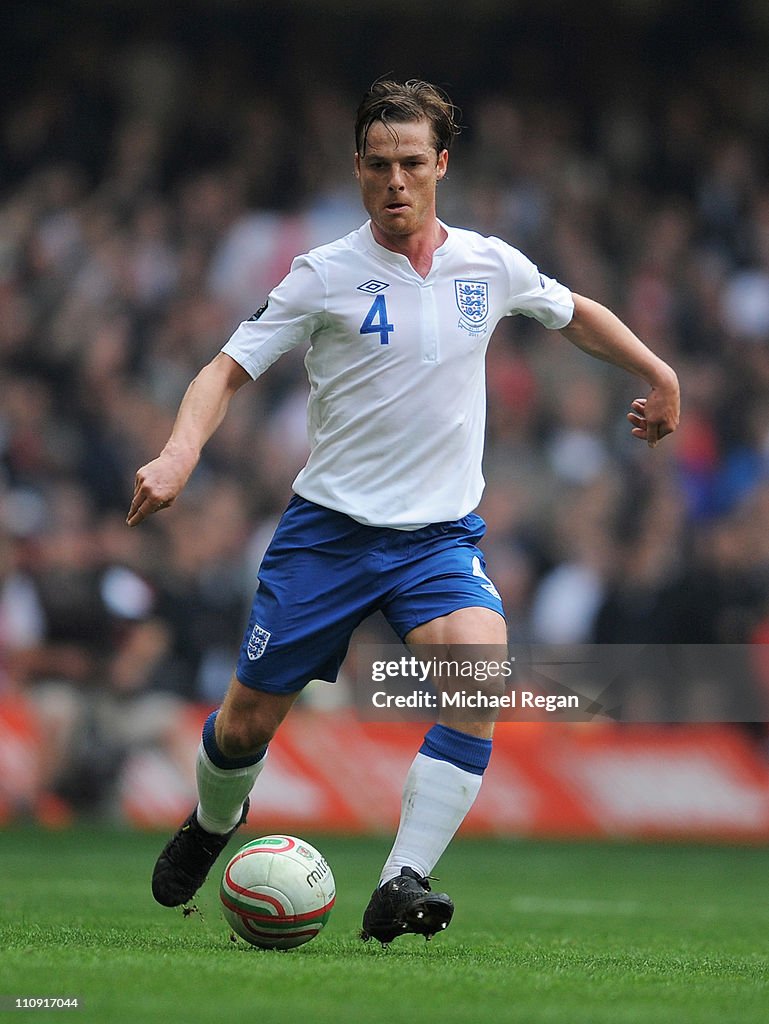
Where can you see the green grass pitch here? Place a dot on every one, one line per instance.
(562, 932)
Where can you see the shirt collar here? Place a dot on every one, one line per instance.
(396, 258)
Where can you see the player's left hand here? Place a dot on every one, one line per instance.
(656, 416)
(157, 485)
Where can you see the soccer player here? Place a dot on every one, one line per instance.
(397, 315)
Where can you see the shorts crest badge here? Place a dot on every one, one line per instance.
(257, 642)
(473, 302)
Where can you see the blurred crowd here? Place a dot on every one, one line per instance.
(147, 207)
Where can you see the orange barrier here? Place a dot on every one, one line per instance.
(332, 772)
(21, 743)
(328, 771)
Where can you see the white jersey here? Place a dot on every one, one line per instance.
(397, 405)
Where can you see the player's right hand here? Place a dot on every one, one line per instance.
(656, 416)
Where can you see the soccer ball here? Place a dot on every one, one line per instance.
(277, 892)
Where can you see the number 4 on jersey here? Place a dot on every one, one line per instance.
(376, 321)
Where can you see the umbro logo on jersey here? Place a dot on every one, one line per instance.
(372, 286)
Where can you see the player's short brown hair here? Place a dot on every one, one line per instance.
(400, 102)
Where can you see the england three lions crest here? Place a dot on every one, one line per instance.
(473, 302)
(257, 642)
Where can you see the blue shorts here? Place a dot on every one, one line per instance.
(324, 573)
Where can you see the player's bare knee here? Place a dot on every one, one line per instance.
(239, 738)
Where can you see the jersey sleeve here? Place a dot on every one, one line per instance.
(294, 310)
(535, 295)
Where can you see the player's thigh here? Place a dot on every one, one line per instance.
(475, 640)
(472, 627)
(249, 718)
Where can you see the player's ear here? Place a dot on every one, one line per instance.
(356, 170)
(443, 163)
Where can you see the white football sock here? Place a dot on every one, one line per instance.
(436, 797)
(221, 792)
